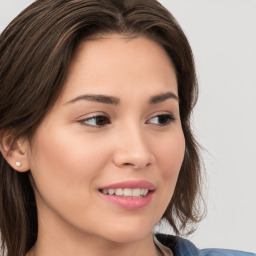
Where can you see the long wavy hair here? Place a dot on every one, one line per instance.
(35, 52)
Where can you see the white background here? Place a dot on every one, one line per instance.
(222, 34)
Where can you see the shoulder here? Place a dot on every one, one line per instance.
(224, 252)
(183, 247)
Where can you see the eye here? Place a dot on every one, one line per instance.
(161, 120)
(96, 121)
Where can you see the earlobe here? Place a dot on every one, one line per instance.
(14, 152)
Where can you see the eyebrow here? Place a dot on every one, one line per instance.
(115, 101)
(97, 98)
(163, 97)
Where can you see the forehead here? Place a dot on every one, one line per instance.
(116, 63)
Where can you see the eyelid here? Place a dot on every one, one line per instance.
(91, 114)
(94, 116)
(159, 114)
(85, 119)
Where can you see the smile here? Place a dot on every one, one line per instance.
(130, 195)
(126, 192)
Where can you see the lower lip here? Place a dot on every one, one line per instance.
(130, 203)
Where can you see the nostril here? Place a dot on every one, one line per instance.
(130, 159)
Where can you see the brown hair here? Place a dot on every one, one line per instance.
(35, 52)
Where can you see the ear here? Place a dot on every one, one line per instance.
(14, 151)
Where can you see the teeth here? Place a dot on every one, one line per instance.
(127, 192)
(119, 192)
(111, 191)
(136, 192)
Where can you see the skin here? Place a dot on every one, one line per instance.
(71, 156)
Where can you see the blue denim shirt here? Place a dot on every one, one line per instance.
(183, 247)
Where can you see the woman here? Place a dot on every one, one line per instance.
(96, 144)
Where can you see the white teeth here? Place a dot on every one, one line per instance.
(119, 192)
(144, 191)
(111, 191)
(126, 192)
(136, 192)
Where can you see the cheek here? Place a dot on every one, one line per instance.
(171, 155)
(61, 160)
(63, 171)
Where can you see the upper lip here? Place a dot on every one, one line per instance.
(131, 184)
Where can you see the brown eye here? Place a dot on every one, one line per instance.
(161, 120)
(97, 121)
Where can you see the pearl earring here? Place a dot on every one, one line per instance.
(18, 163)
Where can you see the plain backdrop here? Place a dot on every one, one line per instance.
(222, 34)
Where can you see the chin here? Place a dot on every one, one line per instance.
(129, 233)
(127, 237)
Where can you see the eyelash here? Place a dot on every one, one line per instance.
(168, 118)
(104, 120)
(95, 119)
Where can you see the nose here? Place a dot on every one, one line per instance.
(133, 150)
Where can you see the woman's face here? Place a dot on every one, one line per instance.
(106, 158)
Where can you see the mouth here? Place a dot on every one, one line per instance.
(130, 195)
(126, 192)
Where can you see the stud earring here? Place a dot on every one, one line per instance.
(18, 163)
